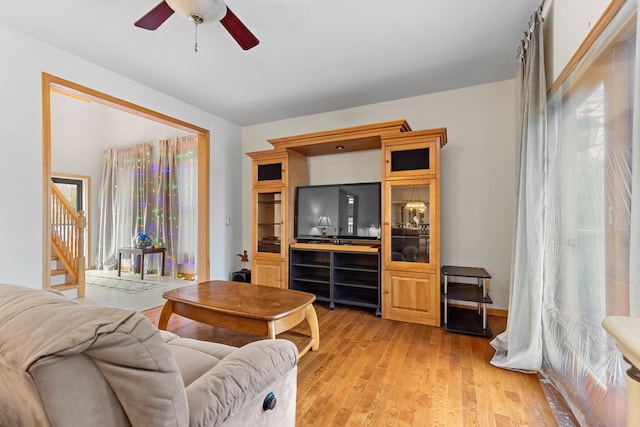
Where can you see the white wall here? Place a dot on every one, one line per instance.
(81, 130)
(478, 168)
(24, 59)
(567, 23)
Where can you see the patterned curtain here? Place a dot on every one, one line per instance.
(173, 221)
(151, 189)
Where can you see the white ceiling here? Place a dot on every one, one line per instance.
(313, 56)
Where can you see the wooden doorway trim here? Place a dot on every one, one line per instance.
(50, 82)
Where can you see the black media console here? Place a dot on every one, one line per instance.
(336, 274)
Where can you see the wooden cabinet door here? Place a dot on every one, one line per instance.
(410, 160)
(412, 154)
(411, 297)
(270, 171)
(268, 273)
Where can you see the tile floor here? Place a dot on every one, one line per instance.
(138, 301)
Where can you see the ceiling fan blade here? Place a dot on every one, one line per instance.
(155, 17)
(238, 31)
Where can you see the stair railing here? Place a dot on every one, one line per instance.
(67, 237)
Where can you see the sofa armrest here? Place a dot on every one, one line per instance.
(241, 380)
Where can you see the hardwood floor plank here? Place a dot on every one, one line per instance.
(415, 379)
(468, 383)
(345, 368)
(325, 368)
(373, 372)
(369, 402)
(396, 374)
(454, 386)
(469, 405)
(481, 368)
(376, 340)
(440, 384)
(427, 401)
(405, 375)
(494, 378)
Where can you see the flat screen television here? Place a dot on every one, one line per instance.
(339, 211)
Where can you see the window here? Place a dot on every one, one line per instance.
(72, 190)
(587, 222)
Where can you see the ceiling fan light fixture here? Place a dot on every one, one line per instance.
(196, 19)
(199, 11)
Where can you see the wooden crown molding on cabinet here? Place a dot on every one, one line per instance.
(418, 135)
(356, 138)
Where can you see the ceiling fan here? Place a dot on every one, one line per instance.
(200, 12)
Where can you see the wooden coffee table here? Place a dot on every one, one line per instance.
(252, 309)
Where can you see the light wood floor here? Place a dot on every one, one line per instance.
(376, 372)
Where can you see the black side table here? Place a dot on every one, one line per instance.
(461, 320)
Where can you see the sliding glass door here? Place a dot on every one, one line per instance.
(587, 222)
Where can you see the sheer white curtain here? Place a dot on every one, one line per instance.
(124, 195)
(634, 241)
(587, 267)
(520, 346)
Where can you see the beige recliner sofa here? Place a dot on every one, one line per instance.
(66, 364)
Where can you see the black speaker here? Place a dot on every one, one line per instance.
(409, 160)
(241, 276)
(270, 172)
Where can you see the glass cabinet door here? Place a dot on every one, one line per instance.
(409, 223)
(269, 221)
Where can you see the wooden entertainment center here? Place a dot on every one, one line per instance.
(399, 276)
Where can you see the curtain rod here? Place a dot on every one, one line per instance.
(536, 17)
(542, 5)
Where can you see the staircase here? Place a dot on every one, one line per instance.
(67, 245)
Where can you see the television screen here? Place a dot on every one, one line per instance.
(345, 211)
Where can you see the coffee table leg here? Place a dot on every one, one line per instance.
(167, 310)
(312, 319)
(271, 326)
